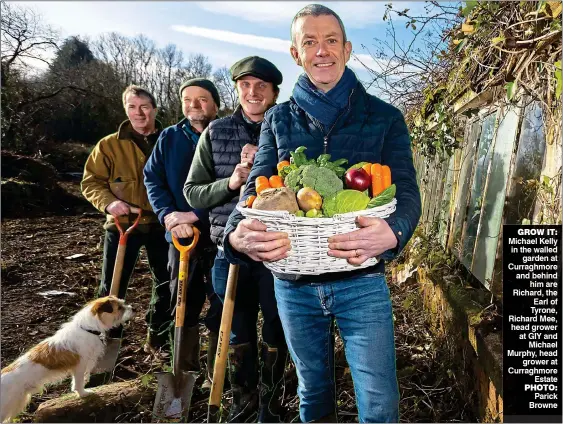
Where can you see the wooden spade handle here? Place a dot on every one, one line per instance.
(183, 275)
(120, 256)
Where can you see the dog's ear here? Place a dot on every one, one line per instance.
(101, 306)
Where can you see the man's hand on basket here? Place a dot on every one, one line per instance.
(252, 239)
(372, 239)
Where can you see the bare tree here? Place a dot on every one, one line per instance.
(24, 36)
(138, 61)
(398, 69)
(197, 66)
(226, 88)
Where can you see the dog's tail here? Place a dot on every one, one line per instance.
(14, 393)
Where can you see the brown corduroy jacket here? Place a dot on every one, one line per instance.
(114, 171)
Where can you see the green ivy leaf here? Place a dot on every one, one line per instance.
(469, 6)
(461, 45)
(559, 82)
(146, 380)
(510, 89)
(545, 180)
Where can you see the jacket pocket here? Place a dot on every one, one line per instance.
(125, 190)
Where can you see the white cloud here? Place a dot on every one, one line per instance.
(365, 59)
(249, 40)
(354, 14)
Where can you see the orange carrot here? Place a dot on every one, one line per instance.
(386, 172)
(249, 201)
(367, 168)
(262, 180)
(262, 184)
(261, 187)
(276, 181)
(376, 180)
(281, 165)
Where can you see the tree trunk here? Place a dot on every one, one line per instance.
(106, 404)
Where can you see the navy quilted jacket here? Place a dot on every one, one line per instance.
(166, 171)
(369, 130)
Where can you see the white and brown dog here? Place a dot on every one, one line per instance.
(74, 349)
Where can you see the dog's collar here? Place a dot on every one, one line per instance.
(94, 332)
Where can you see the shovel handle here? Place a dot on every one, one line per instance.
(120, 256)
(183, 276)
(220, 366)
(124, 234)
(219, 370)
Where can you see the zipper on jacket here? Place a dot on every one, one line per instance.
(327, 135)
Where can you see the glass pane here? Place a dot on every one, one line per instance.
(438, 190)
(484, 155)
(464, 180)
(487, 239)
(426, 181)
(528, 163)
(444, 215)
(431, 193)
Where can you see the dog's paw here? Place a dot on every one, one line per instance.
(84, 393)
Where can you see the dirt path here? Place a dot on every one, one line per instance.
(35, 262)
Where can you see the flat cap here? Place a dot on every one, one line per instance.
(257, 67)
(206, 85)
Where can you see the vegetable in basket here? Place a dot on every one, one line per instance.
(276, 199)
(262, 183)
(308, 199)
(383, 198)
(380, 177)
(357, 179)
(323, 180)
(345, 201)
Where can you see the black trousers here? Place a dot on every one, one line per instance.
(199, 286)
(158, 316)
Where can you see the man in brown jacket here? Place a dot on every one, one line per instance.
(113, 183)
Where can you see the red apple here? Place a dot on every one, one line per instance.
(357, 179)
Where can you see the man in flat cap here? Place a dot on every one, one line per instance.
(220, 167)
(165, 174)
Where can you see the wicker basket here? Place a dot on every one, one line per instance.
(308, 236)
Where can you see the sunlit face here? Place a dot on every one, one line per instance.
(140, 112)
(255, 96)
(198, 106)
(320, 49)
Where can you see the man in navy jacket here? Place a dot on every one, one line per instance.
(330, 112)
(165, 174)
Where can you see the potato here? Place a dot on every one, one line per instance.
(308, 199)
(276, 199)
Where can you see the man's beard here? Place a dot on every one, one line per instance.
(199, 119)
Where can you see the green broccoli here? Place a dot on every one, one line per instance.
(293, 179)
(286, 170)
(323, 180)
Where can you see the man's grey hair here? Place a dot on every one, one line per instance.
(315, 10)
(136, 90)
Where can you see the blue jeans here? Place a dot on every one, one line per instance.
(255, 291)
(362, 310)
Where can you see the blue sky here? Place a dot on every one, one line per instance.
(223, 31)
